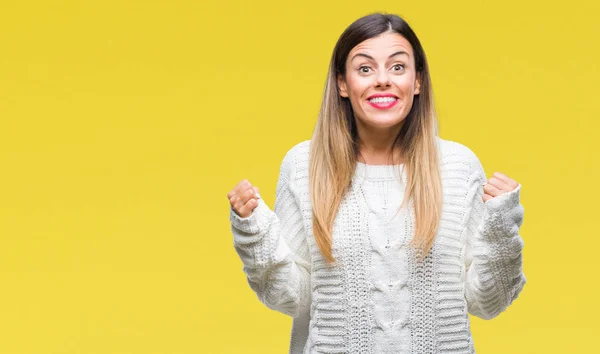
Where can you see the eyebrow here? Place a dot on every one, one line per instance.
(370, 57)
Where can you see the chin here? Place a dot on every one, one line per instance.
(383, 122)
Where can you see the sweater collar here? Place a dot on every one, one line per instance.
(379, 172)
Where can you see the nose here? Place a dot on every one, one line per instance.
(383, 79)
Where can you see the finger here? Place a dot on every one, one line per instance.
(238, 191)
(242, 186)
(256, 192)
(249, 193)
(246, 209)
(499, 184)
(486, 197)
(231, 193)
(504, 178)
(491, 190)
(241, 199)
(238, 205)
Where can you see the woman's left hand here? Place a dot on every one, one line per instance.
(498, 184)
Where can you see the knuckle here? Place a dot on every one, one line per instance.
(238, 204)
(240, 210)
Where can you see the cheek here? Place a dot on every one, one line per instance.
(406, 83)
(357, 86)
(401, 83)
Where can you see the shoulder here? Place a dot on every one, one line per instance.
(298, 150)
(449, 149)
(296, 158)
(455, 154)
(298, 153)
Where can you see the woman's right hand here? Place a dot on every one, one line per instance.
(244, 198)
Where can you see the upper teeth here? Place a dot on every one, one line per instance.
(382, 99)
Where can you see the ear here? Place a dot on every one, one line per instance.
(418, 84)
(342, 86)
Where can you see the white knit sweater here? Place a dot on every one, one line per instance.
(378, 298)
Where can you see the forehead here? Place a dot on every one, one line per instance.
(382, 45)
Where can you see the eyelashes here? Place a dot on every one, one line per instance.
(364, 69)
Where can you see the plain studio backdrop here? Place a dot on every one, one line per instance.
(123, 125)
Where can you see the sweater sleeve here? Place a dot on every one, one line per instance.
(494, 274)
(273, 248)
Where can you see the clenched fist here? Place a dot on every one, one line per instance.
(243, 198)
(498, 184)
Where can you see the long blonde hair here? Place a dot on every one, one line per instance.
(334, 149)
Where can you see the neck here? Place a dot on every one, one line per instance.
(376, 146)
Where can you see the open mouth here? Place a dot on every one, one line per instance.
(383, 102)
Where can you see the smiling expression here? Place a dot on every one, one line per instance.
(380, 80)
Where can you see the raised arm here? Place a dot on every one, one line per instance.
(273, 248)
(494, 274)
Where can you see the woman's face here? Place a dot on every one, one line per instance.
(381, 80)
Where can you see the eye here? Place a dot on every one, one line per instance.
(398, 67)
(362, 69)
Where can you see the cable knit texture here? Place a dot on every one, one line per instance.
(378, 298)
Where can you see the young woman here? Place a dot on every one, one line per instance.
(384, 237)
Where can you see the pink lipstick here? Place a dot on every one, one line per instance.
(383, 100)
